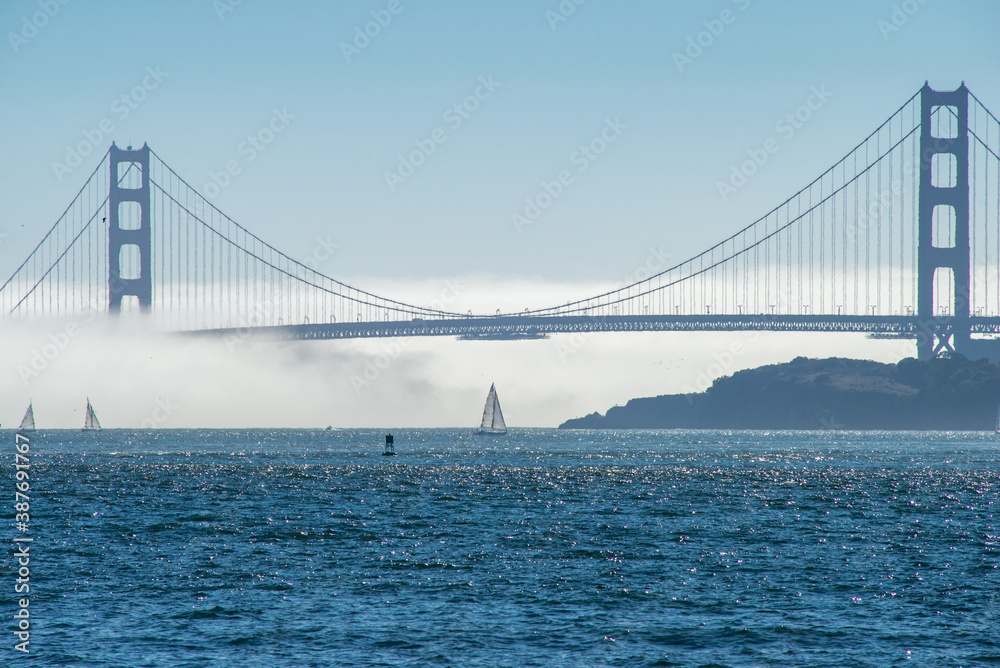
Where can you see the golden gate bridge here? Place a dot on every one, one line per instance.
(899, 238)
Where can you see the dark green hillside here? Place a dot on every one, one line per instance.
(835, 393)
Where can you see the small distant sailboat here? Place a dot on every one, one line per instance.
(996, 429)
(90, 422)
(28, 423)
(492, 415)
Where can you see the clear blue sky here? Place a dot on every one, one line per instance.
(553, 86)
(325, 173)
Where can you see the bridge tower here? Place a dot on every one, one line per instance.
(130, 233)
(943, 203)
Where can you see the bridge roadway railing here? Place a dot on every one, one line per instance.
(533, 327)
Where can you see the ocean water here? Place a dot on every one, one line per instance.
(539, 548)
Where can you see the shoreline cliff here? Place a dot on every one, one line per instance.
(835, 393)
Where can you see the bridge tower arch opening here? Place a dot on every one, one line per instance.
(129, 234)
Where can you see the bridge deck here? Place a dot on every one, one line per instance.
(521, 327)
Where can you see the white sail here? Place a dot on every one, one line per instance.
(488, 409)
(90, 422)
(492, 415)
(28, 423)
(996, 429)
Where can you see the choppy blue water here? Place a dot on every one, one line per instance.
(540, 548)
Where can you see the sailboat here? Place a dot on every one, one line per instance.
(492, 415)
(28, 423)
(996, 429)
(90, 422)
